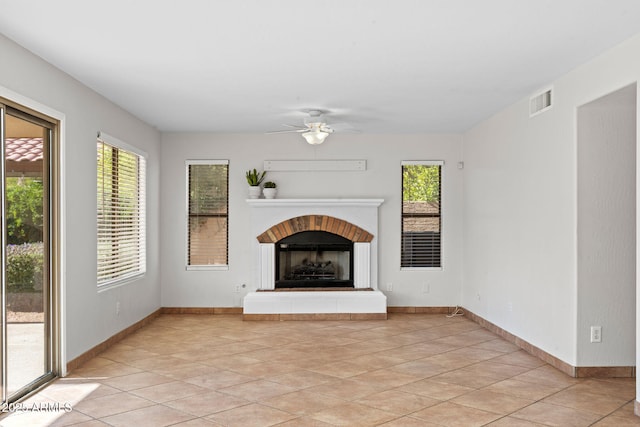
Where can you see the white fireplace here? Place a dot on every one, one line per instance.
(355, 219)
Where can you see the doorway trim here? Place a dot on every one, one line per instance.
(58, 226)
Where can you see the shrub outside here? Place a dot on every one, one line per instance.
(24, 267)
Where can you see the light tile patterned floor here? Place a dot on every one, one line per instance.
(411, 370)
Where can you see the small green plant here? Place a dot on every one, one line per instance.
(270, 184)
(254, 178)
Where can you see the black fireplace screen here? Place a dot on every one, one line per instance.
(314, 259)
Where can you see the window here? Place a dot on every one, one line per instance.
(207, 214)
(121, 211)
(421, 215)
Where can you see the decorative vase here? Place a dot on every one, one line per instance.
(254, 191)
(269, 193)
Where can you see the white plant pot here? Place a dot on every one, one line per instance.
(254, 191)
(269, 193)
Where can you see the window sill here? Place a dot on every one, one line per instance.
(207, 268)
(120, 282)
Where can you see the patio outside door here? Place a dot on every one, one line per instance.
(26, 253)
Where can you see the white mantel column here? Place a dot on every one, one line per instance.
(361, 265)
(267, 266)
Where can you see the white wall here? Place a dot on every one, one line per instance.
(520, 216)
(90, 316)
(606, 228)
(382, 179)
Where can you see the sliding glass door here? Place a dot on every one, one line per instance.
(28, 328)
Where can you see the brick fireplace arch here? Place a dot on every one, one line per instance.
(315, 223)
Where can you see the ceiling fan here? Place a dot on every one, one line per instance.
(315, 129)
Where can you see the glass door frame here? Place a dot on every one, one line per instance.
(53, 251)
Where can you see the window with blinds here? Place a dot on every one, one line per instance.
(208, 214)
(121, 212)
(421, 215)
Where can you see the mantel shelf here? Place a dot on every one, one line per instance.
(263, 203)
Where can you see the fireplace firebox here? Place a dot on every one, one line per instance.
(314, 259)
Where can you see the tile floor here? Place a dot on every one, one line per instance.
(411, 370)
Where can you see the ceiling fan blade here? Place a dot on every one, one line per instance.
(288, 131)
(293, 128)
(344, 128)
(296, 126)
(313, 123)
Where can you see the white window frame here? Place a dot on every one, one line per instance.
(142, 197)
(425, 163)
(208, 267)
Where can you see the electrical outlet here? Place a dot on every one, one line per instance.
(389, 287)
(478, 296)
(510, 306)
(426, 288)
(596, 334)
(118, 307)
(237, 289)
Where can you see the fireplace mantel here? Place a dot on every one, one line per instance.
(269, 203)
(267, 213)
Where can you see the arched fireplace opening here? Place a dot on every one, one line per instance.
(314, 259)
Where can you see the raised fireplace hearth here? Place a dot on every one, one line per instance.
(315, 244)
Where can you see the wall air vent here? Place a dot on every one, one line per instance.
(539, 103)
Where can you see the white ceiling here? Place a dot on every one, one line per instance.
(380, 66)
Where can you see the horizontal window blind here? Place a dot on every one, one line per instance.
(421, 215)
(208, 213)
(121, 213)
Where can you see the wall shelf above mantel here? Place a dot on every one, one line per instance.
(315, 165)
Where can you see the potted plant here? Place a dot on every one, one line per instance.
(270, 190)
(254, 178)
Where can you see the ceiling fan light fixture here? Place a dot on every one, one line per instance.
(315, 136)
